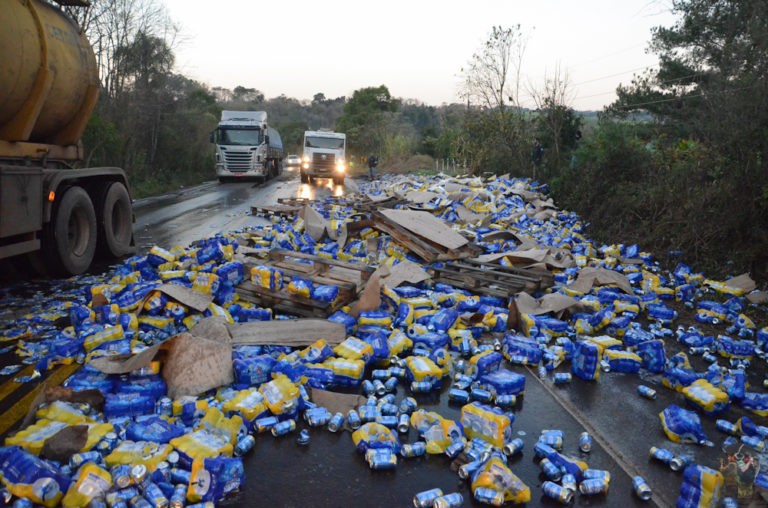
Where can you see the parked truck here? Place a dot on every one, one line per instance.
(324, 156)
(246, 146)
(48, 88)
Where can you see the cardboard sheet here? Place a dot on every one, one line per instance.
(467, 216)
(196, 365)
(335, 402)
(405, 271)
(370, 296)
(420, 197)
(292, 332)
(189, 297)
(552, 302)
(315, 224)
(590, 276)
(743, 281)
(428, 226)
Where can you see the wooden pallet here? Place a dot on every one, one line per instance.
(348, 277)
(278, 209)
(491, 279)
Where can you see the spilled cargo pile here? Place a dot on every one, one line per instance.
(190, 356)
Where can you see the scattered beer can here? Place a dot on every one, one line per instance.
(641, 488)
(556, 492)
(585, 442)
(426, 498)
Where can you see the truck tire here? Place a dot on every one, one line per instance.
(304, 177)
(115, 221)
(71, 242)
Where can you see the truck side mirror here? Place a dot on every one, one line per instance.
(212, 136)
(266, 139)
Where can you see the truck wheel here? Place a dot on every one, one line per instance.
(116, 221)
(71, 242)
(304, 177)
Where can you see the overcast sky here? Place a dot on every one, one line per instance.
(416, 48)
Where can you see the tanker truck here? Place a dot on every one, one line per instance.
(49, 208)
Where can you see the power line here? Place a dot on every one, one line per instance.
(694, 96)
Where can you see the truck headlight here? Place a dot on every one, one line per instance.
(339, 167)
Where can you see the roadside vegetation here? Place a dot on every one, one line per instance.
(676, 164)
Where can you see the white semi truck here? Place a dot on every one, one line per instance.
(246, 146)
(324, 156)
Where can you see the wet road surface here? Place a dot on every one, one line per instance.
(329, 471)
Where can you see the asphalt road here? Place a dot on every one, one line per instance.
(329, 472)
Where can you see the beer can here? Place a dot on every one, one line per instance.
(562, 378)
(164, 406)
(398, 372)
(408, 405)
(754, 442)
(123, 495)
(283, 428)
(481, 395)
(353, 419)
(367, 386)
(416, 449)
(140, 502)
(550, 470)
(23, 502)
(303, 438)
(139, 474)
(121, 475)
(388, 409)
(179, 496)
(662, 454)
(245, 445)
(593, 486)
(264, 424)
(727, 427)
(641, 488)
(179, 475)
(380, 374)
(379, 388)
(647, 392)
(556, 492)
(421, 386)
(78, 459)
(489, 496)
(585, 442)
(505, 400)
(458, 395)
(368, 413)
(680, 462)
(391, 384)
(467, 470)
(452, 500)
(162, 472)
(513, 447)
(155, 496)
(317, 417)
(403, 423)
(389, 421)
(382, 458)
(590, 474)
(336, 422)
(568, 481)
(426, 498)
(454, 449)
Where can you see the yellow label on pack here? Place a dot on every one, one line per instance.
(92, 481)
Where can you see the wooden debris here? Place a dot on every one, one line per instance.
(492, 280)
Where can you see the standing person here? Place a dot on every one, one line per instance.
(373, 161)
(537, 155)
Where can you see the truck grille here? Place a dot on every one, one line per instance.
(238, 162)
(324, 162)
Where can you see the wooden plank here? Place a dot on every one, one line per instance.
(427, 226)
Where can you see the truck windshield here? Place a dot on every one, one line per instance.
(240, 137)
(316, 142)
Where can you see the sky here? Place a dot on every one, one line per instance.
(417, 48)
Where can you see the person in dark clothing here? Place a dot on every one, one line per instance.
(537, 155)
(373, 161)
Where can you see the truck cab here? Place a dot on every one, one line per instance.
(324, 156)
(246, 146)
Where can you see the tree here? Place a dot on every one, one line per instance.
(495, 137)
(366, 117)
(556, 121)
(493, 74)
